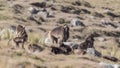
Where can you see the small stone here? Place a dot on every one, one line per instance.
(94, 52)
(47, 41)
(33, 10)
(77, 22)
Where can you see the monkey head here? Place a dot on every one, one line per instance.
(66, 32)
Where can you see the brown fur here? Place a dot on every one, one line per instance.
(62, 49)
(59, 34)
(21, 36)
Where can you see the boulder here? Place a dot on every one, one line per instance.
(85, 11)
(77, 11)
(77, 22)
(101, 39)
(35, 48)
(107, 65)
(71, 44)
(61, 21)
(96, 14)
(77, 3)
(33, 10)
(67, 9)
(47, 41)
(18, 9)
(12, 28)
(42, 15)
(39, 4)
(94, 52)
(111, 58)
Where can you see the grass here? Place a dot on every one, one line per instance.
(6, 34)
(112, 48)
(36, 38)
(3, 17)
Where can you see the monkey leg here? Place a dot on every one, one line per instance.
(23, 45)
(17, 44)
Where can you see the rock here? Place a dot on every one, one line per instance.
(101, 39)
(87, 4)
(108, 23)
(36, 20)
(85, 11)
(66, 9)
(71, 44)
(61, 21)
(33, 10)
(107, 9)
(35, 48)
(80, 3)
(39, 17)
(2, 32)
(96, 14)
(107, 65)
(30, 30)
(53, 8)
(77, 3)
(76, 11)
(94, 52)
(77, 22)
(37, 4)
(47, 41)
(18, 9)
(42, 15)
(50, 14)
(12, 28)
(114, 59)
(112, 14)
(76, 37)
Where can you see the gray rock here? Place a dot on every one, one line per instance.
(96, 14)
(35, 19)
(50, 14)
(77, 3)
(72, 44)
(107, 65)
(35, 48)
(101, 39)
(42, 15)
(2, 32)
(85, 11)
(67, 9)
(39, 4)
(94, 52)
(77, 22)
(47, 41)
(18, 9)
(61, 21)
(33, 10)
(12, 29)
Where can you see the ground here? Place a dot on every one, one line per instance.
(108, 41)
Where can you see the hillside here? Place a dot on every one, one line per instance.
(84, 17)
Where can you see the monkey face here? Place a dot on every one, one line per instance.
(66, 28)
(20, 27)
(66, 32)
